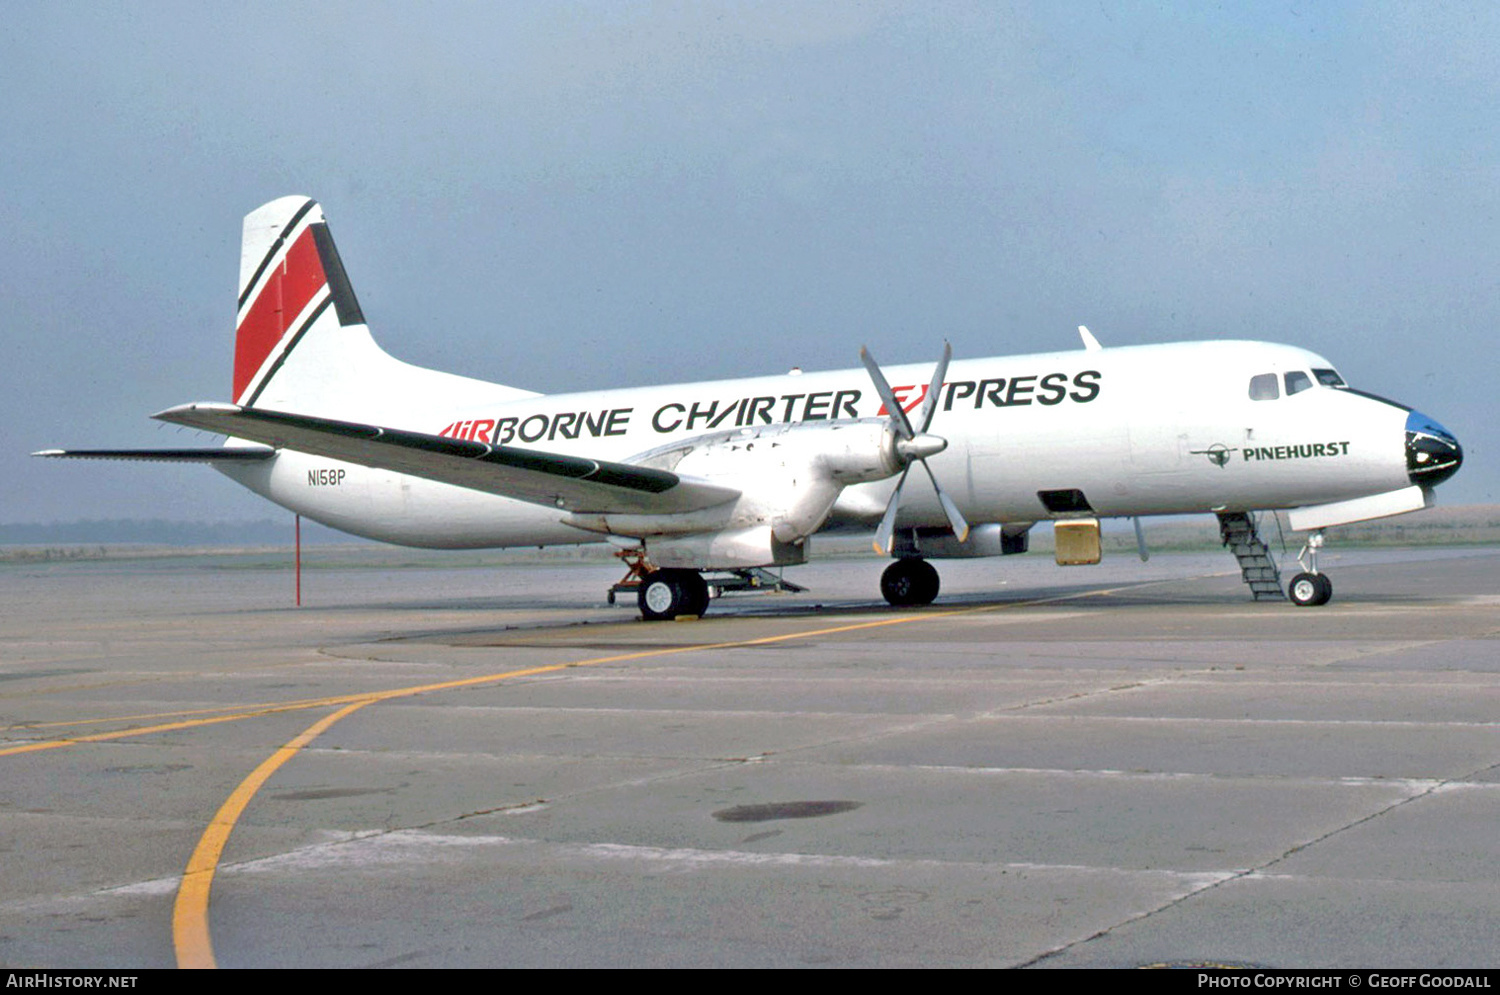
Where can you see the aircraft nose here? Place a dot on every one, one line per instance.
(1432, 453)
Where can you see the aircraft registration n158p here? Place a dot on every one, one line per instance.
(738, 475)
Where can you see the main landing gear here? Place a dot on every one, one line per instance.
(1310, 588)
(666, 594)
(662, 594)
(909, 581)
(671, 593)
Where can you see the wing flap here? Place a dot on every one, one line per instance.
(572, 483)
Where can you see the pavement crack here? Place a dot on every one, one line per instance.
(1138, 917)
(1239, 875)
(1088, 693)
(514, 808)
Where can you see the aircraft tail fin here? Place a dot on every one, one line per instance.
(285, 288)
(301, 342)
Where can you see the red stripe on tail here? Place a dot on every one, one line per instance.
(284, 294)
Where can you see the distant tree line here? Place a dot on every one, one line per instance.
(159, 532)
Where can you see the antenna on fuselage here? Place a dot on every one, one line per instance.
(1090, 344)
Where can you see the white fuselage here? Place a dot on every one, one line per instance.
(1143, 430)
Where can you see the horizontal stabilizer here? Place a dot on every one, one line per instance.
(217, 454)
(571, 483)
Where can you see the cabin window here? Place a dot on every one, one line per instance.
(1296, 382)
(1264, 388)
(1328, 378)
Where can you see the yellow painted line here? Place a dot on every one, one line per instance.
(256, 711)
(190, 932)
(101, 737)
(254, 708)
(368, 696)
(190, 911)
(142, 679)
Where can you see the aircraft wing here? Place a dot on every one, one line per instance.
(573, 483)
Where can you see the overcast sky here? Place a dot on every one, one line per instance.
(567, 196)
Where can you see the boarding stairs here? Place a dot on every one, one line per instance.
(1237, 530)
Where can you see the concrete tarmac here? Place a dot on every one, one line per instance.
(1113, 766)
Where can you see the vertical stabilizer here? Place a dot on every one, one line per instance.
(284, 289)
(301, 343)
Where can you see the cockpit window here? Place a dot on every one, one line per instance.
(1297, 381)
(1263, 387)
(1328, 378)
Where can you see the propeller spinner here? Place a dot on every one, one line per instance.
(913, 446)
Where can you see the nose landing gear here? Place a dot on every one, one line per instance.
(1310, 588)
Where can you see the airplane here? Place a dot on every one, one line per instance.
(740, 475)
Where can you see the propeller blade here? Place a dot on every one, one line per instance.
(929, 404)
(913, 446)
(898, 417)
(887, 530)
(956, 520)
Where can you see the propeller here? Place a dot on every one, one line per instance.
(913, 446)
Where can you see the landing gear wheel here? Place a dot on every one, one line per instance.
(1310, 590)
(666, 594)
(909, 581)
(695, 588)
(659, 596)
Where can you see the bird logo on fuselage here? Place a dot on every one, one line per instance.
(1218, 454)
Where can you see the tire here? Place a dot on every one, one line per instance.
(910, 581)
(695, 592)
(661, 596)
(1309, 590)
(666, 594)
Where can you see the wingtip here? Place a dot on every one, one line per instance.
(170, 414)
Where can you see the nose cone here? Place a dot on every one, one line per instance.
(1432, 453)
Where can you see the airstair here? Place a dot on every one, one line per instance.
(1237, 530)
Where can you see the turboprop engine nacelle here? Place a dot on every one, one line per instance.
(788, 476)
(730, 550)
